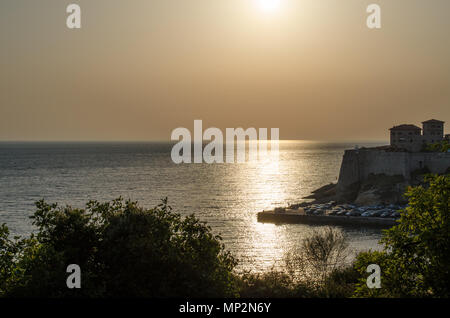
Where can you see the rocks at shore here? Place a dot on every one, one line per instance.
(379, 195)
(376, 190)
(324, 193)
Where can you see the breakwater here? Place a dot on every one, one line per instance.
(298, 216)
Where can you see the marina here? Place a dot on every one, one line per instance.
(299, 216)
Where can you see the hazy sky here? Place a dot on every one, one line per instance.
(136, 69)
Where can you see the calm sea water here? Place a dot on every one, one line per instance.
(227, 196)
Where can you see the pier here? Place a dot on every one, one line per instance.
(298, 216)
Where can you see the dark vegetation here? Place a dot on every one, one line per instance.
(127, 251)
(441, 146)
(122, 249)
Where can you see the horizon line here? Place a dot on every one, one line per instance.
(174, 141)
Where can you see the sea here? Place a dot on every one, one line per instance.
(226, 196)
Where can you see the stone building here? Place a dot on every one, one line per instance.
(433, 131)
(406, 137)
(412, 138)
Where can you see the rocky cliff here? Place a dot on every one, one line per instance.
(375, 176)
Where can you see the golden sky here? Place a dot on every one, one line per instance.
(138, 69)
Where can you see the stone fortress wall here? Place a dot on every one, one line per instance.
(357, 164)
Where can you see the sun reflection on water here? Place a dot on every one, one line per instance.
(267, 239)
(264, 177)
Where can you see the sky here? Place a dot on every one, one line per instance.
(136, 70)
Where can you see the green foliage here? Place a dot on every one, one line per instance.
(315, 269)
(416, 260)
(319, 255)
(442, 146)
(389, 280)
(123, 251)
(340, 283)
(8, 249)
(280, 284)
(269, 284)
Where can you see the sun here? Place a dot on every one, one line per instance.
(269, 5)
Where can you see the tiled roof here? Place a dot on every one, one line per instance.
(405, 127)
(433, 121)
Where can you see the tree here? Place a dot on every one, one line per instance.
(416, 258)
(319, 255)
(317, 268)
(123, 250)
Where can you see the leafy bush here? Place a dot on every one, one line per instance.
(320, 254)
(416, 259)
(123, 251)
(340, 283)
(389, 280)
(273, 283)
(316, 269)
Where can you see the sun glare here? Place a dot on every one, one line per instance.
(269, 5)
